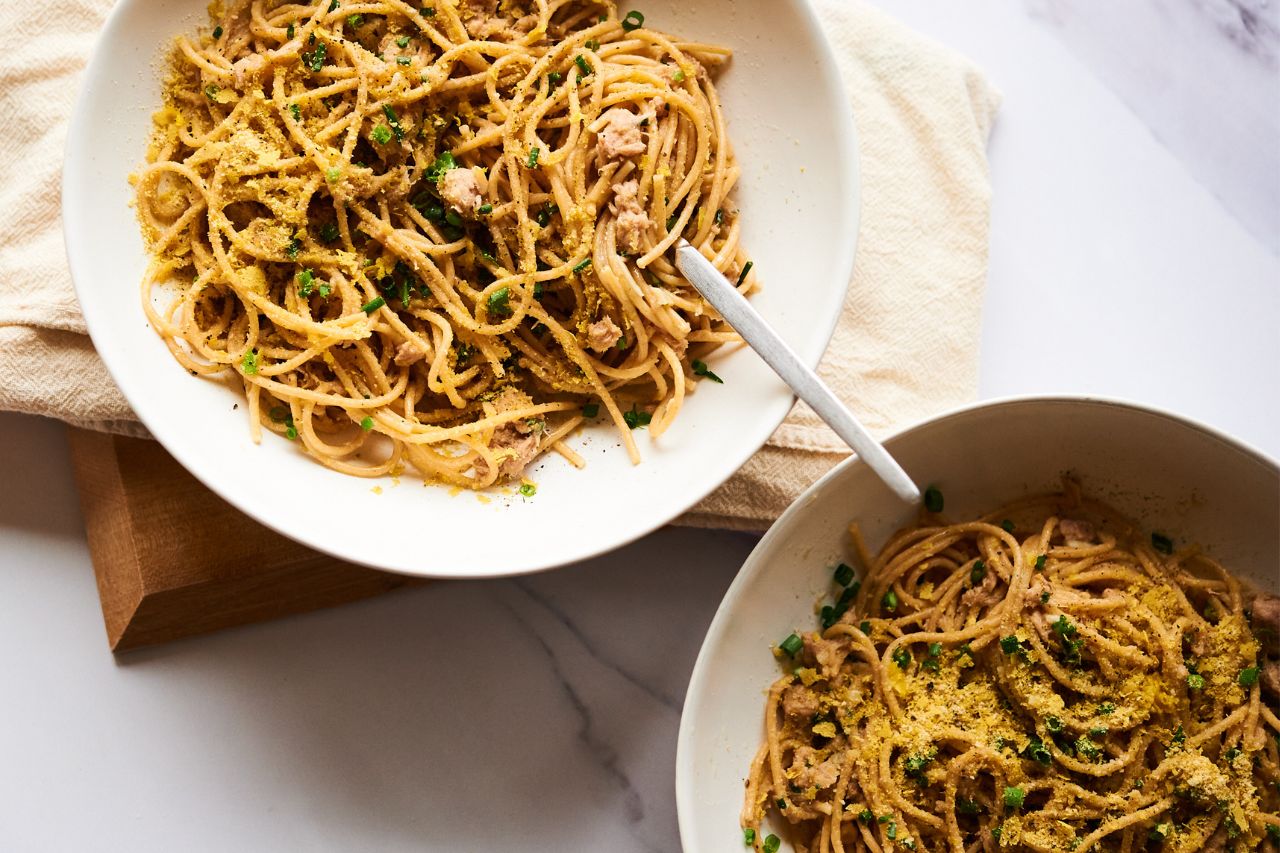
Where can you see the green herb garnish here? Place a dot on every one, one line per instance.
(633, 21)
(791, 645)
(933, 500)
(700, 369)
(373, 305)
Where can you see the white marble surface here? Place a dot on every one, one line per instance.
(541, 714)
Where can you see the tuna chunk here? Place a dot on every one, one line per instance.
(603, 335)
(248, 69)
(1076, 531)
(621, 136)
(1265, 612)
(631, 222)
(516, 444)
(1271, 679)
(460, 188)
(409, 353)
(799, 702)
(809, 772)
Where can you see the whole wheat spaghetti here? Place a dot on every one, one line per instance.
(1045, 678)
(437, 234)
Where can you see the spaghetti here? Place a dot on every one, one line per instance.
(438, 235)
(1042, 679)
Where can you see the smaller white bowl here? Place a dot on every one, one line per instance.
(1168, 473)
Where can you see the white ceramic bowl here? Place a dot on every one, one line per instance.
(799, 196)
(1171, 474)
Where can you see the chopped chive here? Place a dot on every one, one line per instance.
(403, 41)
(700, 369)
(633, 21)
(404, 60)
(453, 218)
(1195, 681)
(289, 31)
(592, 44)
(292, 247)
(771, 843)
(748, 836)
(333, 6)
(844, 574)
(791, 644)
(933, 500)
(484, 209)
(394, 121)
(977, 573)
(249, 362)
(500, 301)
(315, 59)
(329, 232)
(591, 410)
(553, 79)
(291, 433)
(1248, 677)
(296, 111)
(545, 213)
(746, 268)
(582, 266)
(211, 92)
(636, 419)
(428, 12)
(1162, 543)
(366, 424)
(1010, 644)
(865, 626)
(373, 305)
(528, 489)
(354, 21)
(1007, 526)
(217, 32)
(1014, 797)
(902, 657)
(583, 68)
(678, 77)
(532, 162)
(332, 175)
(890, 601)
(381, 134)
(306, 283)
(1040, 562)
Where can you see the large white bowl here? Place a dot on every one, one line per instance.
(1172, 475)
(794, 136)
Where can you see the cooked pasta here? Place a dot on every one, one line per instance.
(1042, 679)
(438, 235)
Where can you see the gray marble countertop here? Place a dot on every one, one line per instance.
(1136, 165)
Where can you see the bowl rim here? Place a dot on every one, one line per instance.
(685, 794)
(141, 401)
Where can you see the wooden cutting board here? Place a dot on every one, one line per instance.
(173, 559)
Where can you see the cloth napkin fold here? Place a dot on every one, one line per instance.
(906, 345)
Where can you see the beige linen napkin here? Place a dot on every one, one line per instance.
(906, 345)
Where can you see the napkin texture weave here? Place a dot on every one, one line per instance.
(906, 345)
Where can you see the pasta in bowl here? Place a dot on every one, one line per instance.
(452, 408)
(1088, 669)
(436, 237)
